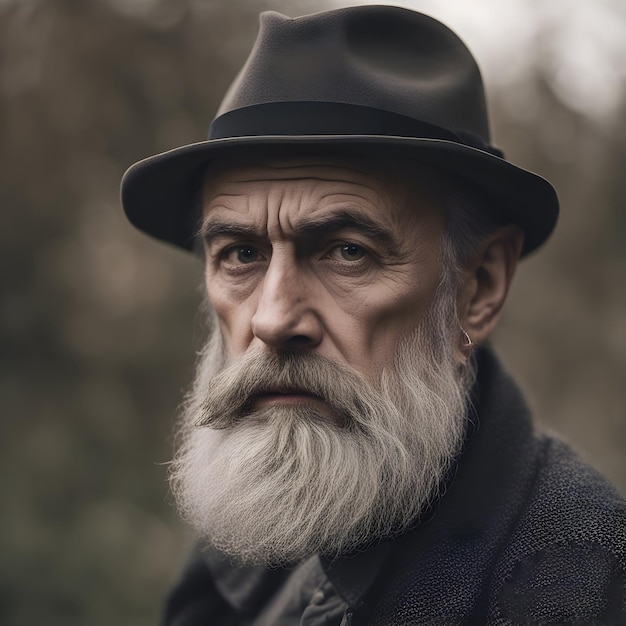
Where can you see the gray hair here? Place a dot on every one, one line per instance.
(469, 218)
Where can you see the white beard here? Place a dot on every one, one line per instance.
(277, 485)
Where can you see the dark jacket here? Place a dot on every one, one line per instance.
(524, 533)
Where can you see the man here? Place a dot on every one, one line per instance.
(351, 451)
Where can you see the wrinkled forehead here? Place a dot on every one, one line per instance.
(398, 180)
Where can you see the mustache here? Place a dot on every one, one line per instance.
(234, 389)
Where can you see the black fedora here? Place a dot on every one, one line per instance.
(377, 80)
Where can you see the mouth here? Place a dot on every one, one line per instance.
(285, 397)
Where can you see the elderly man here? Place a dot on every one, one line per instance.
(351, 451)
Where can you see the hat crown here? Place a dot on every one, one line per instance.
(377, 80)
(386, 58)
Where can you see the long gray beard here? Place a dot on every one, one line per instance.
(277, 485)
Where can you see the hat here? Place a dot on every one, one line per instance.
(368, 80)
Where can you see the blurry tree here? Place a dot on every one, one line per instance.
(98, 324)
(564, 330)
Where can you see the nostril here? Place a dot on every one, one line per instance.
(299, 341)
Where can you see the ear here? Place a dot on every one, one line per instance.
(486, 281)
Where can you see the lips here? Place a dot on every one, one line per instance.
(286, 397)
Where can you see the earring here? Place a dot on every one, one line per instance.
(468, 340)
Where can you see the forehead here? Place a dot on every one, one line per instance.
(392, 192)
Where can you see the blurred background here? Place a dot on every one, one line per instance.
(99, 324)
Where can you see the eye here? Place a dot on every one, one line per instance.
(242, 255)
(350, 251)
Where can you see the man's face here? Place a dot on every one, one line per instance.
(319, 257)
(329, 400)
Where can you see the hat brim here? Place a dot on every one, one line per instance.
(158, 193)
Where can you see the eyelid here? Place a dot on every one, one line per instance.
(221, 260)
(219, 245)
(238, 246)
(331, 254)
(347, 241)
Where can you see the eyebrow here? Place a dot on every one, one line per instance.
(350, 221)
(212, 228)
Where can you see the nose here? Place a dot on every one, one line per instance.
(286, 315)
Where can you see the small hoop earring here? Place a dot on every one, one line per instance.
(468, 340)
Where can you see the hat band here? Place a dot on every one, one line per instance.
(331, 118)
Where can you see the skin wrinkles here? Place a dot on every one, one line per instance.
(301, 286)
(329, 200)
(311, 232)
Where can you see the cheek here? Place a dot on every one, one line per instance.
(234, 315)
(390, 317)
